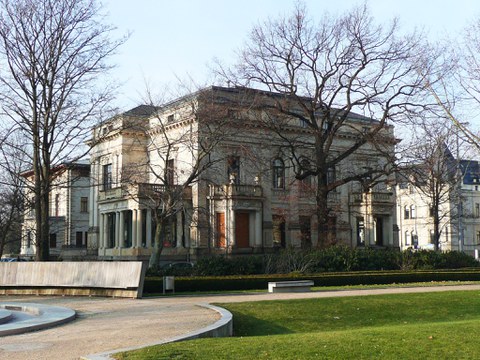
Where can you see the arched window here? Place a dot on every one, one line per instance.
(278, 174)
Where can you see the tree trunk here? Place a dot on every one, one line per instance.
(158, 247)
(323, 235)
(436, 228)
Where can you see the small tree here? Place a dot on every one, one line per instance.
(52, 54)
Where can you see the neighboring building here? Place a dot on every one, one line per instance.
(459, 211)
(247, 202)
(69, 204)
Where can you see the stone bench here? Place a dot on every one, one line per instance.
(89, 278)
(290, 286)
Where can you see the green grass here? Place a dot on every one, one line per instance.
(405, 326)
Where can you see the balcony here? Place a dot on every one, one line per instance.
(377, 198)
(153, 190)
(142, 190)
(111, 194)
(237, 191)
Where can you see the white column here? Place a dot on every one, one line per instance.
(148, 229)
(117, 229)
(258, 228)
(105, 230)
(101, 234)
(231, 241)
(139, 228)
(121, 235)
(134, 228)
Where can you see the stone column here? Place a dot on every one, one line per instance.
(121, 235)
(139, 228)
(105, 230)
(231, 241)
(258, 228)
(134, 228)
(148, 229)
(117, 229)
(101, 232)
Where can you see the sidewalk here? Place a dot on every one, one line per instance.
(108, 324)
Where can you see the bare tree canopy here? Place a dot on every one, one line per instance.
(52, 55)
(435, 173)
(331, 71)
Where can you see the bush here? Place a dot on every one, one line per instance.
(221, 265)
(260, 282)
(332, 259)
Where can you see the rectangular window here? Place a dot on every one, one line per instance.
(406, 214)
(431, 211)
(233, 169)
(360, 231)
(79, 239)
(305, 232)
(84, 204)
(477, 210)
(29, 238)
(278, 231)
(107, 177)
(53, 240)
(278, 174)
(170, 172)
(478, 237)
(170, 118)
(57, 204)
(331, 176)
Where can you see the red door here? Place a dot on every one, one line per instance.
(221, 229)
(242, 230)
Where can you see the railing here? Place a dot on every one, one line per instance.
(157, 189)
(374, 197)
(142, 189)
(113, 193)
(236, 190)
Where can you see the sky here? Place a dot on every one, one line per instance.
(172, 41)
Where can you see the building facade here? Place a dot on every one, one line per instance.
(69, 206)
(459, 212)
(244, 197)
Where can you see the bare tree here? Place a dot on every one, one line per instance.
(182, 136)
(325, 73)
(435, 173)
(52, 55)
(11, 198)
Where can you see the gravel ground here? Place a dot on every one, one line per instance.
(107, 324)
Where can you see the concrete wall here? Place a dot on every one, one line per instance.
(127, 277)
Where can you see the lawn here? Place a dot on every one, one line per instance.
(405, 326)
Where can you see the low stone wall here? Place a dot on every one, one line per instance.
(91, 278)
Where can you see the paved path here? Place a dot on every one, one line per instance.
(107, 324)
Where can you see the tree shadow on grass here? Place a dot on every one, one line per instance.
(247, 325)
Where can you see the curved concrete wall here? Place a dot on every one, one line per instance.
(74, 275)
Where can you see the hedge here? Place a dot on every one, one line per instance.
(259, 282)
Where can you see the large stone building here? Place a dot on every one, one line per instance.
(459, 207)
(69, 204)
(244, 197)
